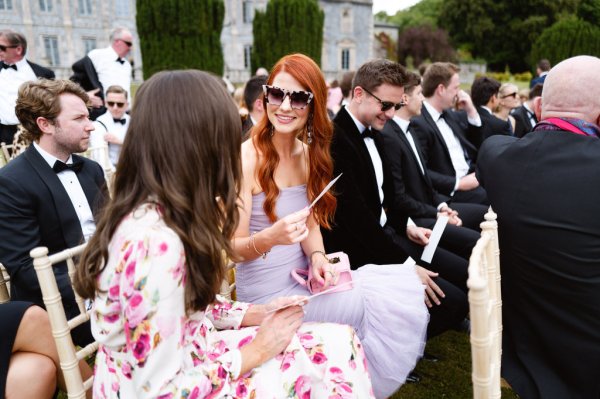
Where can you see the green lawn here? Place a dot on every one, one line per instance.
(448, 378)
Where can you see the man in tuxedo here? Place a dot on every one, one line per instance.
(545, 188)
(445, 135)
(525, 118)
(542, 69)
(414, 192)
(484, 92)
(49, 195)
(14, 70)
(253, 93)
(367, 225)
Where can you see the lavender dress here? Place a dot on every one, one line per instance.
(386, 305)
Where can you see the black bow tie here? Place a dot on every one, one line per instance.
(59, 166)
(368, 133)
(6, 66)
(121, 121)
(120, 60)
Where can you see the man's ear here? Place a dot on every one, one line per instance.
(537, 107)
(258, 104)
(45, 125)
(358, 93)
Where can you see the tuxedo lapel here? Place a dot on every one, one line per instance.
(69, 222)
(434, 127)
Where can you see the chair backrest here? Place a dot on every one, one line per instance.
(100, 154)
(4, 285)
(4, 154)
(61, 327)
(485, 304)
(228, 284)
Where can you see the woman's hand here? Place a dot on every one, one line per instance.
(290, 229)
(431, 288)
(323, 271)
(419, 235)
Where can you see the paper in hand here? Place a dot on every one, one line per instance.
(327, 187)
(434, 239)
(308, 298)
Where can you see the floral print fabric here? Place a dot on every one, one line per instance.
(150, 347)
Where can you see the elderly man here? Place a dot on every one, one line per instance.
(545, 188)
(14, 70)
(49, 195)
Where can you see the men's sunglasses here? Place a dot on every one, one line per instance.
(129, 44)
(299, 99)
(513, 95)
(113, 103)
(3, 48)
(385, 105)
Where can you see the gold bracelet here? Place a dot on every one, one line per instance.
(318, 252)
(252, 240)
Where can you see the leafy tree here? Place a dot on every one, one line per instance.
(569, 37)
(425, 12)
(423, 43)
(287, 26)
(501, 32)
(180, 34)
(589, 10)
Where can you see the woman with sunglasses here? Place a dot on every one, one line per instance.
(286, 164)
(156, 262)
(509, 100)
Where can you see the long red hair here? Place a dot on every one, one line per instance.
(320, 170)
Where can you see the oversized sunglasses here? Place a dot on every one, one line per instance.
(3, 48)
(113, 103)
(513, 95)
(129, 44)
(385, 105)
(299, 99)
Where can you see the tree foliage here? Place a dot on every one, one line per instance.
(569, 37)
(425, 12)
(423, 43)
(180, 34)
(501, 32)
(287, 26)
(589, 10)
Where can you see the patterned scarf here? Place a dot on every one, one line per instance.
(577, 126)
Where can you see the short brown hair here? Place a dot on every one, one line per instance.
(436, 74)
(15, 39)
(373, 74)
(117, 90)
(41, 98)
(412, 81)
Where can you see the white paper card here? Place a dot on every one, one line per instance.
(308, 298)
(434, 239)
(327, 187)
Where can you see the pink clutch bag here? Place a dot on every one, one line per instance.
(340, 265)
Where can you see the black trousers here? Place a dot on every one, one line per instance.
(475, 196)
(7, 133)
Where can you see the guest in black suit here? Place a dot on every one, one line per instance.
(543, 67)
(414, 192)
(444, 134)
(367, 225)
(85, 75)
(253, 98)
(525, 118)
(49, 195)
(14, 70)
(545, 188)
(484, 93)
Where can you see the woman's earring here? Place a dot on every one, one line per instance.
(309, 131)
(272, 131)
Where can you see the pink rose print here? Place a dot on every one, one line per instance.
(302, 387)
(166, 326)
(319, 358)
(288, 359)
(307, 340)
(162, 248)
(241, 391)
(128, 251)
(141, 347)
(136, 311)
(245, 341)
(113, 292)
(126, 370)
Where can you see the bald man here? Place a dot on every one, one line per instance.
(545, 188)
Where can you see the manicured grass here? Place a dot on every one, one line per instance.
(450, 377)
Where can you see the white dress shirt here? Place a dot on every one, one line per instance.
(530, 115)
(70, 182)
(110, 71)
(108, 125)
(377, 164)
(10, 80)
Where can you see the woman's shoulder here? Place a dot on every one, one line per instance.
(146, 224)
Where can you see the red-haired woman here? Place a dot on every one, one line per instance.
(285, 166)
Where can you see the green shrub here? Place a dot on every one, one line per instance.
(523, 76)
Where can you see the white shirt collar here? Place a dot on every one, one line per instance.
(359, 125)
(527, 107)
(403, 123)
(432, 111)
(115, 53)
(487, 109)
(49, 158)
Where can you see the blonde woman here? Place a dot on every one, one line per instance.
(509, 99)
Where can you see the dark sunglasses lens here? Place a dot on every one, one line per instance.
(2, 48)
(112, 104)
(386, 106)
(299, 100)
(275, 96)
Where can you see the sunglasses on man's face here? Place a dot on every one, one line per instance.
(513, 95)
(299, 99)
(129, 44)
(3, 48)
(113, 103)
(385, 105)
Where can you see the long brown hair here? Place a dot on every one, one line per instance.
(182, 148)
(308, 74)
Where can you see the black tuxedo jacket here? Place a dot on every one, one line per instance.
(490, 126)
(85, 74)
(545, 188)
(356, 229)
(40, 71)
(522, 122)
(434, 148)
(414, 192)
(35, 210)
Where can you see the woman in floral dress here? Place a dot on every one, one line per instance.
(155, 265)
